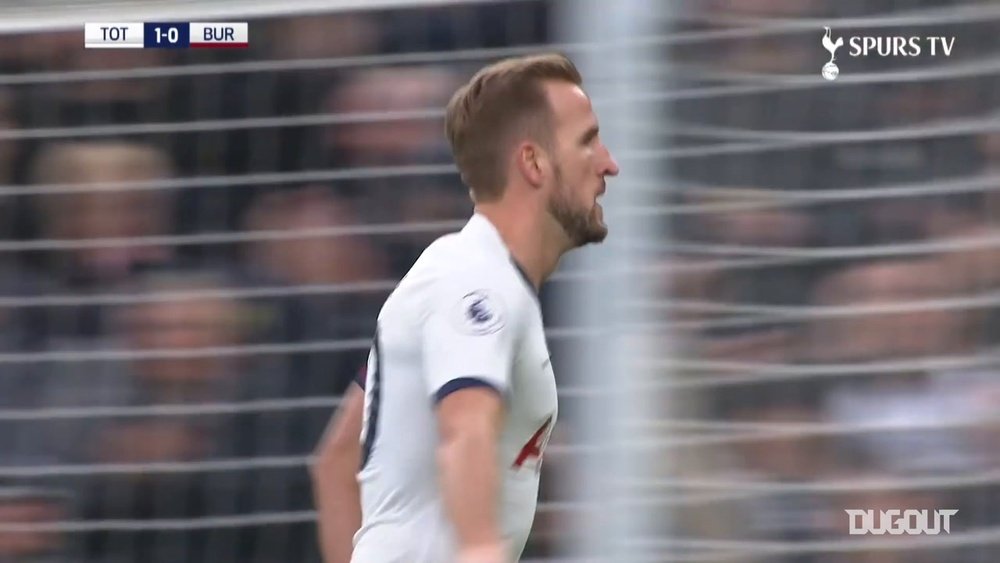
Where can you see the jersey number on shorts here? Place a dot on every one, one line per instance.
(535, 446)
(373, 389)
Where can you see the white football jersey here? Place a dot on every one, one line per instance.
(465, 315)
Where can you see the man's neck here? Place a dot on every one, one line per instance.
(532, 242)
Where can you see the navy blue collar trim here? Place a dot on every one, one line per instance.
(524, 276)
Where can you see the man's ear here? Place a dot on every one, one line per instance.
(531, 162)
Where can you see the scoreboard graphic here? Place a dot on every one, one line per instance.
(175, 35)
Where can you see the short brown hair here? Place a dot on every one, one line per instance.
(501, 100)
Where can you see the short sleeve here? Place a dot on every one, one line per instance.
(469, 336)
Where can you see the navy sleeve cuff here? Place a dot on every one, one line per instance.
(460, 383)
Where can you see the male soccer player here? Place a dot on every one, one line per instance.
(459, 397)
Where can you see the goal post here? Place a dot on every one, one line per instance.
(622, 45)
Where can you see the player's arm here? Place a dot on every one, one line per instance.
(469, 340)
(334, 475)
(469, 422)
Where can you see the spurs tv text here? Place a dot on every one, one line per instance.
(167, 35)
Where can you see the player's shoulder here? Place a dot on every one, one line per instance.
(464, 256)
(458, 269)
(464, 260)
(470, 270)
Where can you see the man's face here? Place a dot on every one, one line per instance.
(580, 164)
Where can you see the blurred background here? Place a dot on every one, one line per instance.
(796, 312)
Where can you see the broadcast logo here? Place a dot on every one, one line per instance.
(897, 522)
(830, 70)
(882, 46)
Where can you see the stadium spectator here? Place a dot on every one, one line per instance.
(98, 200)
(150, 330)
(61, 51)
(408, 101)
(319, 258)
(320, 254)
(884, 334)
(38, 507)
(317, 36)
(390, 92)
(920, 405)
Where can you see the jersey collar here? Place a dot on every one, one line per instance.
(484, 229)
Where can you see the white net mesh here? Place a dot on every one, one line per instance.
(194, 248)
(832, 296)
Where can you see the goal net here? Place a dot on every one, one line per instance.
(829, 311)
(793, 316)
(195, 247)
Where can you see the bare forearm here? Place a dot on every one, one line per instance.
(470, 486)
(335, 486)
(338, 503)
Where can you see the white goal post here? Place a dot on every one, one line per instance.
(623, 45)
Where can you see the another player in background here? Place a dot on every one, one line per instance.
(459, 397)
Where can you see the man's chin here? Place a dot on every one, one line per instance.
(599, 235)
(594, 235)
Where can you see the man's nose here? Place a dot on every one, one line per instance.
(612, 166)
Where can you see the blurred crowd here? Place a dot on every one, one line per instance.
(191, 263)
(834, 296)
(838, 290)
